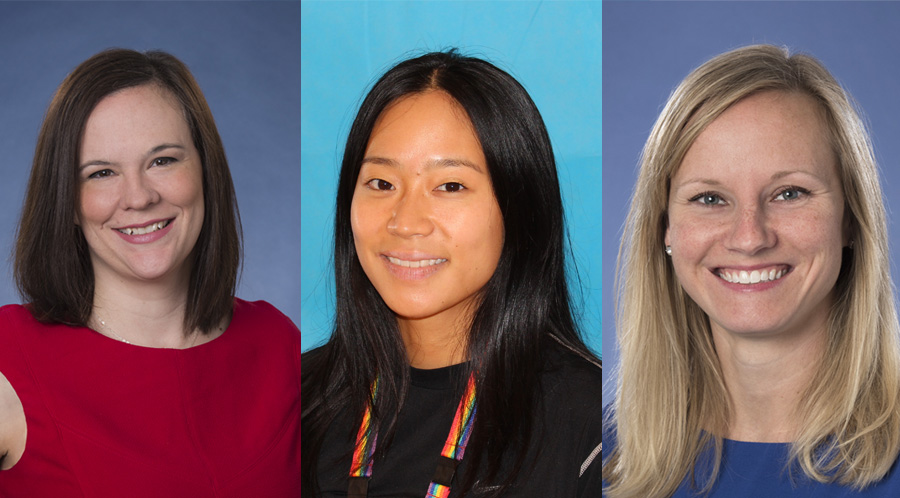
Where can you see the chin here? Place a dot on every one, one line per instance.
(152, 271)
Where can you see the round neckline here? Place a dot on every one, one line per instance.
(739, 442)
(437, 378)
(197, 347)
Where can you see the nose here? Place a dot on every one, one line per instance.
(751, 231)
(410, 216)
(138, 192)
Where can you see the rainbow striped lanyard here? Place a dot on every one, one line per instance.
(451, 455)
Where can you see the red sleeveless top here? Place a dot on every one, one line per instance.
(109, 419)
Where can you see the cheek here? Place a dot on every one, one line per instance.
(94, 206)
(191, 189)
(362, 224)
(690, 237)
(819, 234)
(480, 231)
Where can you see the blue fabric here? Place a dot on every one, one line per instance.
(754, 470)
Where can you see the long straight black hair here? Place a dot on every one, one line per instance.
(524, 304)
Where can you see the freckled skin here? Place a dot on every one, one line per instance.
(124, 181)
(427, 209)
(773, 198)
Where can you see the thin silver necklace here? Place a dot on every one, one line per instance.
(107, 328)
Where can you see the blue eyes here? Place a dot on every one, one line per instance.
(791, 194)
(785, 194)
(707, 199)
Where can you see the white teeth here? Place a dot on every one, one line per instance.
(751, 277)
(144, 230)
(415, 264)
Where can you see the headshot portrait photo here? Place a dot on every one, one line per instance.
(552, 49)
(250, 77)
(649, 47)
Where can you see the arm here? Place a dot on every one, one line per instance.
(12, 425)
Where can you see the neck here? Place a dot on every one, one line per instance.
(145, 314)
(430, 344)
(766, 379)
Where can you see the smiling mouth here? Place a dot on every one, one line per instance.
(745, 277)
(145, 230)
(422, 263)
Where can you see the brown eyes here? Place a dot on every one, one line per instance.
(103, 173)
(379, 184)
(451, 187)
(163, 161)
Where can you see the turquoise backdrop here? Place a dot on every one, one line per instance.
(552, 48)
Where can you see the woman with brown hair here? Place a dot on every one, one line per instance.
(757, 322)
(133, 370)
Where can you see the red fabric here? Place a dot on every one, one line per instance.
(108, 419)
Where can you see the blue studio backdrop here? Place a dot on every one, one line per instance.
(552, 48)
(649, 47)
(246, 58)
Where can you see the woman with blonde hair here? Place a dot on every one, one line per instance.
(757, 325)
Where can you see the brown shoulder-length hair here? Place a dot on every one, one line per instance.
(52, 265)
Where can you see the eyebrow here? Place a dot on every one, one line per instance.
(158, 148)
(434, 163)
(777, 176)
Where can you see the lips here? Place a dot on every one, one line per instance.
(412, 266)
(420, 263)
(754, 276)
(144, 230)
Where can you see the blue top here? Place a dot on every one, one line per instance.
(753, 470)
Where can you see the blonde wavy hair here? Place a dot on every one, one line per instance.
(671, 402)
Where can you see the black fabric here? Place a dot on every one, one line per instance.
(567, 430)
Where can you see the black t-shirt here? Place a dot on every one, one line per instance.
(562, 458)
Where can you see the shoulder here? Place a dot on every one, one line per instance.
(259, 326)
(12, 315)
(16, 323)
(260, 315)
(571, 395)
(571, 379)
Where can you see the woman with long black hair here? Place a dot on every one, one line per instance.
(455, 367)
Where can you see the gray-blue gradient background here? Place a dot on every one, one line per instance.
(649, 47)
(552, 48)
(246, 58)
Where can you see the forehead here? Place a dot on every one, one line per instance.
(765, 133)
(425, 123)
(148, 104)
